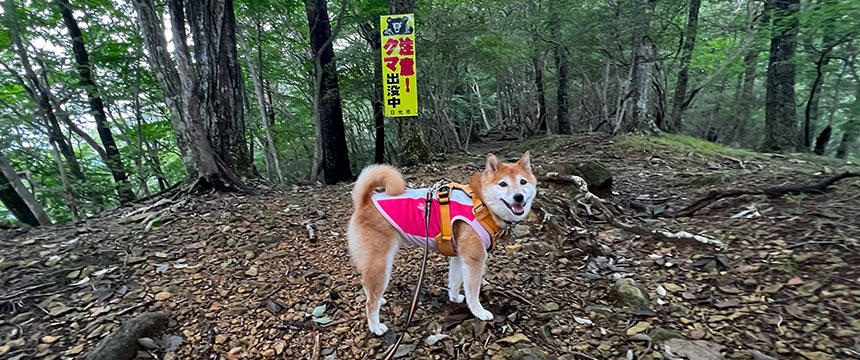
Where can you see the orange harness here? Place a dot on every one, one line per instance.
(444, 241)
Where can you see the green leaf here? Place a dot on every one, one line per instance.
(318, 311)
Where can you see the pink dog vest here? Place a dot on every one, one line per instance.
(406, 213)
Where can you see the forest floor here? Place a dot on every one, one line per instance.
(240, 275)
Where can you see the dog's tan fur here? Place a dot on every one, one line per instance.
(373, 241)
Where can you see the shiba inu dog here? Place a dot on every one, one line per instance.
(380, 222)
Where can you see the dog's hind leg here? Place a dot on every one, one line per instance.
(455, 279)
(375, 277)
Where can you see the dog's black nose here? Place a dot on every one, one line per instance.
(518, 197)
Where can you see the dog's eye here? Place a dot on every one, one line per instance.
(503, 184)
(523, 182)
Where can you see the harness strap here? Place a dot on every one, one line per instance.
(444, 241)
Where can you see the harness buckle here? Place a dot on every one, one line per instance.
(444, 195)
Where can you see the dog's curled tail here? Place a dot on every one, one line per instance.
(374, 176)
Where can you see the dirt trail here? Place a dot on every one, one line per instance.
(241, 275)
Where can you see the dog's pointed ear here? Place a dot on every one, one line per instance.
(526, 161)
(492, 164)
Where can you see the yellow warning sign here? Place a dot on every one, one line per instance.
(398, 65)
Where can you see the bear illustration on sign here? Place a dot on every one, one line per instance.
(397, 26)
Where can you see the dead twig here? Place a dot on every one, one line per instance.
(714, 195)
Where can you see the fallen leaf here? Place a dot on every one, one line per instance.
(638, 328)
(697, 349)
(433, 339)
(795, 281)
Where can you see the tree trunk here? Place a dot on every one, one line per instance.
(562, 113)
(162, 66)
(112, 156)
(370, 33)
(845, 145)
(824, 136)
(273, 165)
(67, 186)
(675, 124)
(537, 63)
(332, 137)
(414, 148)
(746, 98)
(219, 76)
(211, 171)
(780, 115)
(17, 199)
(644, 52)
(37, 91)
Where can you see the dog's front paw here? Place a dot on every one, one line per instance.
(456, 298)
(382, 301)
(483, 314)
(379, 329)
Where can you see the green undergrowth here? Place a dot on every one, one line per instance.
(683, 143)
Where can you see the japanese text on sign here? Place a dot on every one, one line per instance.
(398, 65)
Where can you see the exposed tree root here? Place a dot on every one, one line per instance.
(714, 195)
(585, 198)
(122, 343)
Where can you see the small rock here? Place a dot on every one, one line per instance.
(251, 272)
(678, 309)
(521, 230)
(697, 334)
(659, 334)
(550, 306)
(164, 295)
(638, 328)
(631, 294)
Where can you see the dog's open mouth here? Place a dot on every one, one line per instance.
(516, 208)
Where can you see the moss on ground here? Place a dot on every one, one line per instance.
(685, 143)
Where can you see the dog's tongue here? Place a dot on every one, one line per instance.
(517, 208)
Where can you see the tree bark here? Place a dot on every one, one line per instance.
(112, 156)
(15, 196)
(644, 52)
(370, 33)
(165, 72)
(824, 136)
(212, 172)
(780, 114)
(562, 113)
(746, 98)
(675, 124)
(332, 137)
(37, 91)
(273, 165)
(846, 143)
(67, 186)
(219, 75)
(537, 63)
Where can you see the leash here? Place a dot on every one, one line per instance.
(428, 207)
